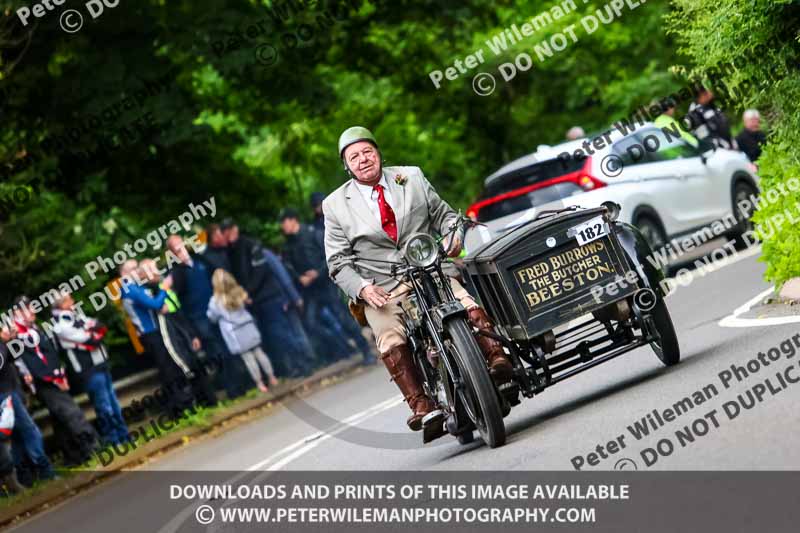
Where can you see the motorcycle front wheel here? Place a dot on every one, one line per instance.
(478, 393)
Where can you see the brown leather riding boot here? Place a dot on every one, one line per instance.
(499, 366)
(400, 364)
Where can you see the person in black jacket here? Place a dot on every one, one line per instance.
(27, 445)
(216, 252)
(319, 217)
(708, 123)
(8, 474)
(751, 138)
(76, 436)
(307, 260)
(172, 341)
(275, 303)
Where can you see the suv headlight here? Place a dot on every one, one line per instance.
(421, 250)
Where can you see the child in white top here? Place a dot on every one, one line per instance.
(238, 326)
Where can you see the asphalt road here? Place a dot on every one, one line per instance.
(545, 433)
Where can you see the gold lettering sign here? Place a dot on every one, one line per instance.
(564, 273)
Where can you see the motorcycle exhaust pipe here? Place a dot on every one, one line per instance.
(645, 300)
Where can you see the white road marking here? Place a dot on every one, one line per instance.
(745, 307)
(310, 443)
(314, 440)
(733, 320)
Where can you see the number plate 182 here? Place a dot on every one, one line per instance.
(592, 229)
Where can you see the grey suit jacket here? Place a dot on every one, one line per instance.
(352, 229)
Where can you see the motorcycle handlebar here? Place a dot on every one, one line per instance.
(373, 268)
(461, 223)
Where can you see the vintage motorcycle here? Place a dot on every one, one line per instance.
(568, 290)
(442, 341)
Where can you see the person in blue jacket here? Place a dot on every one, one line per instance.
(170, 340)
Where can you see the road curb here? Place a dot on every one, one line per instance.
(736, 320)
(57, 491)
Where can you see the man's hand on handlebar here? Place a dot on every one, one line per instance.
(453, 239)
(374, 295)
(455, 245)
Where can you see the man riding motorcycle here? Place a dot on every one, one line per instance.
(370, 217)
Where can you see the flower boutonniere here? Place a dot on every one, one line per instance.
(400, 179)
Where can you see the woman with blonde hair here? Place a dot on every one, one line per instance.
(239, 330)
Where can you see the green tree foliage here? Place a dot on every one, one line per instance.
(157, 104)
(750, 50)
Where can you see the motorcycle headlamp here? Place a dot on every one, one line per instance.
(421, 250)
(613, 209)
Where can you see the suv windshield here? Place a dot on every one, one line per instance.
(526, 177)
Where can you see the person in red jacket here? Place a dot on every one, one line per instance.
(77, 438)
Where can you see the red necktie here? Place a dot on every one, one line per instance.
(388, 220)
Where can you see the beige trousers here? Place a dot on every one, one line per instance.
(387, 321)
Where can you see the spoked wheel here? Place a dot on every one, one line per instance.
(666, 348)
(478, 395)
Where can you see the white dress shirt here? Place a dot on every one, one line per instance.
(371, 197)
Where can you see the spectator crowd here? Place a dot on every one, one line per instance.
(233, 317)
(705, 123)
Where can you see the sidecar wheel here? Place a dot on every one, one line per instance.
(480, 397)
(466, 438)
(666, 348)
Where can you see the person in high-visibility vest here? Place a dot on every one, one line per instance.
(666, 120)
